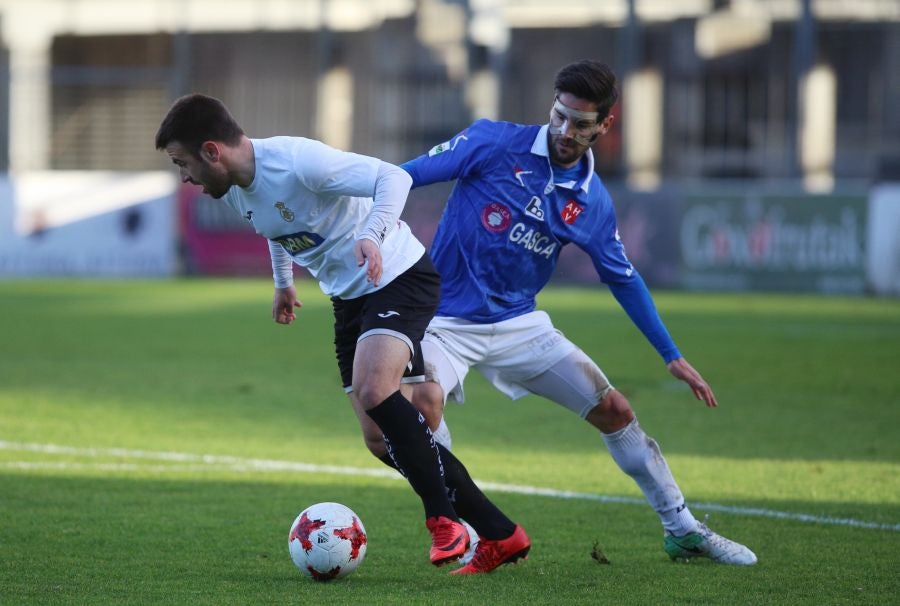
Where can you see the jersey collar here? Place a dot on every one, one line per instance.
(539, 148)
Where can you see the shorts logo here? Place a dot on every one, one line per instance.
(544, 343)
(388, 314)
(571, 211)
(436, 335)
(495, 217)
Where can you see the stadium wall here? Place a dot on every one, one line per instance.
(710, 237)
(88, 224)
(714, 237)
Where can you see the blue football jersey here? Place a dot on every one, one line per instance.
(502, 229)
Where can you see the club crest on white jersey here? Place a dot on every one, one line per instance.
(286, 213)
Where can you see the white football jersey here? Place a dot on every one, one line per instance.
(314, 201)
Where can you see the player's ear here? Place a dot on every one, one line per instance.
(209, 151)
(606, 124)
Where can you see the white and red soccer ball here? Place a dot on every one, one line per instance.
(327, 541)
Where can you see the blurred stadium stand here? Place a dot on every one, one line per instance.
(799, 96)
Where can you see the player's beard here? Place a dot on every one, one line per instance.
(216, 190)
(215, 183)
(564, 151)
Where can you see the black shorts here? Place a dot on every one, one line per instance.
(402, 308)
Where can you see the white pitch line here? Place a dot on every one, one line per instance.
(699, 505)
(188, 462)
(206, 460)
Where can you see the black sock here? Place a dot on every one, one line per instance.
(413, 452)
(387, 460)
(470, 503)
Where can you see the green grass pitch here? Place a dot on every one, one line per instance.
(151, 436)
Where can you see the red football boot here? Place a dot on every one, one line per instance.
(491, 554)
(449, 540)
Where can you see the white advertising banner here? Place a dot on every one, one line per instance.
(883, 254)
(80, 223)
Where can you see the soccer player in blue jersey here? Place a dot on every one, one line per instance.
(522, 193)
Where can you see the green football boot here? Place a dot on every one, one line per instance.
(704, 543)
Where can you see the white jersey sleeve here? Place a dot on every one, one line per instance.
(391, 189)
(282, 265)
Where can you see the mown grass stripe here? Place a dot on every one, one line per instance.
(229, 463)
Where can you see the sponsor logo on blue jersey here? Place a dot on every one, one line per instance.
(300, 241)
(533, 240)
(496, 217)
(519, 173)
(571, 211)
(533, 208)
(447, 145)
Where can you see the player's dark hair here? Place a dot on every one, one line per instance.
(589, 80)
(194, 119)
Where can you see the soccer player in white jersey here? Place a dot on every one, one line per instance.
(337, 214)
(523, 192)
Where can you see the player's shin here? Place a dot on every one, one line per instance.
(470, 503)
(414, 453)
(638, 455)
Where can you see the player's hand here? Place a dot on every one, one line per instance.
(683, 371)
(283, 303)
(367, 251)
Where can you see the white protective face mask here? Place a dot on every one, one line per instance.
(584, 124)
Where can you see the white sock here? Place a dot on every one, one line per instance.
(679, 521)
(442, 435)
(638, 455)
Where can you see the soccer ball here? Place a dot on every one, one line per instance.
(327, 541)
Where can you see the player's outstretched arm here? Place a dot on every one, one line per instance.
(682, 370)
(283, 303)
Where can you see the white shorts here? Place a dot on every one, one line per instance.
(507, 353)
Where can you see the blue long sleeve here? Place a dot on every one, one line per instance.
(634, 297)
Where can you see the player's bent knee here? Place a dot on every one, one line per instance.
(612, 413)
(372, 393)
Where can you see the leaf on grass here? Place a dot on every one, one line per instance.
(597, 554)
